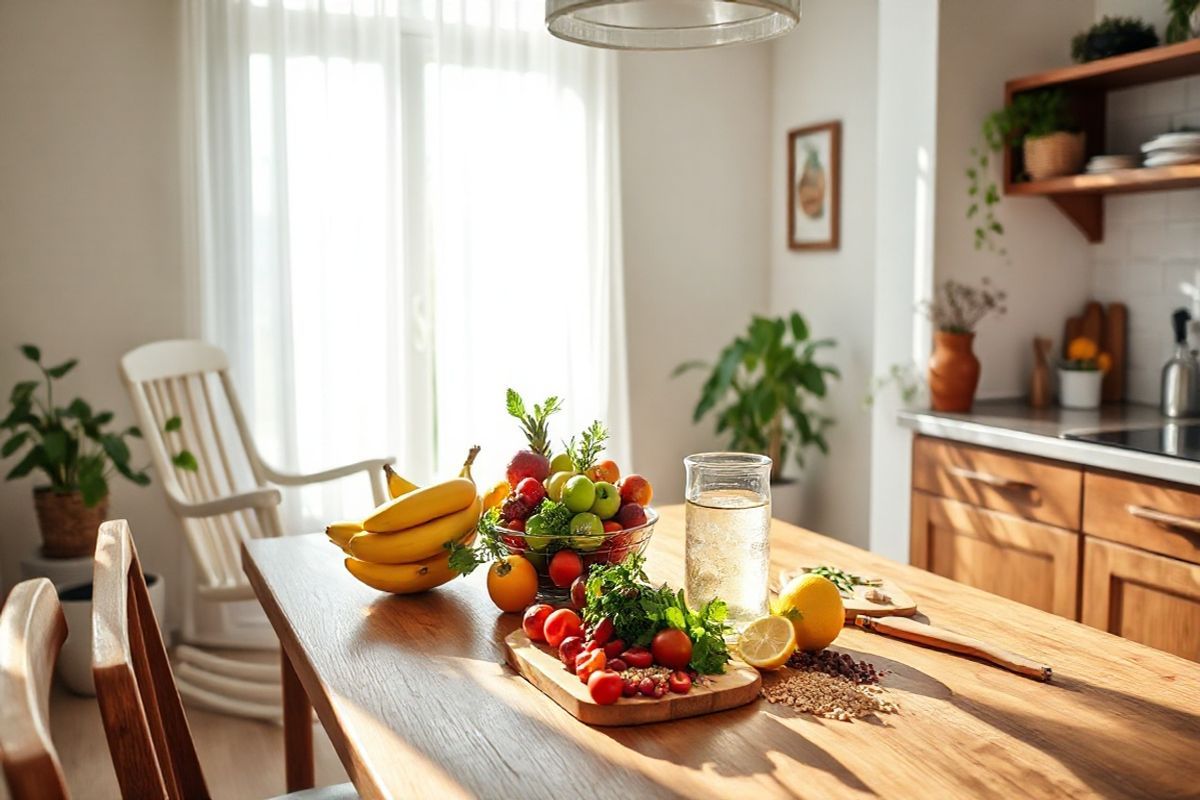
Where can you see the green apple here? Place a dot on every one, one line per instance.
(535, 533)
(561, 463)
(608, 500)
(578, 493)
(587, 531)
(555, 483)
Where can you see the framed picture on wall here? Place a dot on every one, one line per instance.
(814, 177)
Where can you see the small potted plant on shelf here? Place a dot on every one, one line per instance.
(955, 311)
(77, 452)
(1081, 374)
(759, 390)
(1113, 36)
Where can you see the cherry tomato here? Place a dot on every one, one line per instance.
(647, 685)
(679, 682)
(630, 687)
(562, 623)
(605, 687)
(534, 621)
(579, 592)
(637, 657)
(614, 648)
(587, 663)
(569, 648)
(612, 526)
(617, 665)
(565, 567)
(672, 648)
(603, 631)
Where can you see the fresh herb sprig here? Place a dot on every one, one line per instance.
(553, 519)
(584, 450)
(639, 610)
(464, 558)
(534, 425)
(844, 581)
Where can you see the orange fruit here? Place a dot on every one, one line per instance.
(495, 495)
(512, 583)
(1081, 348)
(1104, 362)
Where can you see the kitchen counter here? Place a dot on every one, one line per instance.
(1013, 425)
(414, 694)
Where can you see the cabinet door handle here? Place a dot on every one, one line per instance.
(1163, 518)
(994, 481)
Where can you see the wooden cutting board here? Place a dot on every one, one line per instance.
(738, 686)
(1116, 326)
(899, 604)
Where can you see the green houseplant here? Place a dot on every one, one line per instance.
(759, 390)
(1182, 22)
(1113, 36)
(74, 448)
(1042, 124)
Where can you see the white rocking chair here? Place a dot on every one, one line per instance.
(227, 499)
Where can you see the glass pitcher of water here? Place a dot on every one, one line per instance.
(727, 551)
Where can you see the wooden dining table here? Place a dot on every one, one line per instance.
(416, 697)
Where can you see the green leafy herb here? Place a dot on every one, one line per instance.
(552, 519)
(590, 444)
(534, 425)
(487, 547)
(639, 610)
(844, 581)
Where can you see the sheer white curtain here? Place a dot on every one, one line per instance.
(401, 208)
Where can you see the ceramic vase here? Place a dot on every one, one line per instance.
(953, 372)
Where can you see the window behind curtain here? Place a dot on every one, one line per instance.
(404, 208)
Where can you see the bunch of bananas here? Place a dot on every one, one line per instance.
(400, 547)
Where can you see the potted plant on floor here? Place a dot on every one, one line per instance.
(75, 449)
(955, 311)
(760, 387)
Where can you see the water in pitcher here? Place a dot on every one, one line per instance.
(727, 552)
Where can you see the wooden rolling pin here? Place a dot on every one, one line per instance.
(928, 635)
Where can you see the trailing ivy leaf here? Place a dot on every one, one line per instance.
(799, 327)
(173, 424)
(22, 392)
(134, 431)
(31, 352)
(80, 410)
(103, 418)
(185, 460)
(62, 369)
(14, 444)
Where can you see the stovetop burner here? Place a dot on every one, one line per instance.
(1174, 439)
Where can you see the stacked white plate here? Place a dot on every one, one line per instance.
(1170, 149)
(1098, 164)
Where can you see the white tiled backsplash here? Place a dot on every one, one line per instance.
(1151, 241)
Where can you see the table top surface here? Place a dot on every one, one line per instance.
(415, 696)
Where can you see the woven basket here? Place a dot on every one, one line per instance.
(68, 526)
(1053, 155)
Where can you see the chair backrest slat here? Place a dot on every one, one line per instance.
(148, 735)
(32, 630)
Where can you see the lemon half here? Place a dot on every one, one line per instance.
(767, 642)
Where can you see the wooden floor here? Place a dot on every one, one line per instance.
(241, 758)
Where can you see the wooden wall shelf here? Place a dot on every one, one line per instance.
(1081, 197)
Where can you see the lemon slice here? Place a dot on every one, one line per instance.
(767, 642)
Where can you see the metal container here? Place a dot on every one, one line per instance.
(1181, 374)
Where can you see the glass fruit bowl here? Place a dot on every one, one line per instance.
(610, 547)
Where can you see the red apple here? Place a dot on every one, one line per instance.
(527, 464)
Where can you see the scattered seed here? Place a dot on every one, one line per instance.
(828, 696)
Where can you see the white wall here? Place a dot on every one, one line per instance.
(905, 189)
(696, 217)
(89, 233)
(826, 70)
(1046, 270)
(1151, 241)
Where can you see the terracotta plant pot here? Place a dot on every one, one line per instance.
(953, 372)
(68, 527)
(1053, 155)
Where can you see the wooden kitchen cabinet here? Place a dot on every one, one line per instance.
(1142, 596)
(1026, 561)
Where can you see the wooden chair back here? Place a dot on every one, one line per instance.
(32, 630)
(190, 380)
(148, 736)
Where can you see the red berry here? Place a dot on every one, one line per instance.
(617, 665)
(646, 687)
(629, 688)
(514, 508)
(531, 491)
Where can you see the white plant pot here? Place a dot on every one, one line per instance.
(75, 660)
(1079, 388)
